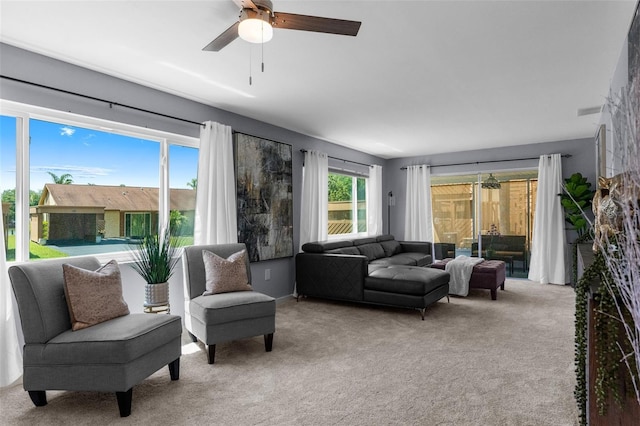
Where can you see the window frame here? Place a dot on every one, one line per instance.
(354, 203)
(26, 112)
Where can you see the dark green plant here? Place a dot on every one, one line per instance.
(576, 199)
(592, 273)
(154, 257)
(610, 346)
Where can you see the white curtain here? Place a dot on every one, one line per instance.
(418, 225)
(10, 353)
(374, 201)
(215, 218)
(315, 197)
(548, 246)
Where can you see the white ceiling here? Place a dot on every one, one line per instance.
(421, 77)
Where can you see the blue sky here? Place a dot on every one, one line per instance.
(91, 156)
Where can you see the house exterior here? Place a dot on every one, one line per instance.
(90, 212)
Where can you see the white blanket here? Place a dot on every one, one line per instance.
(460, 270)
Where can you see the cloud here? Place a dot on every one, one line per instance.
(67, 131)
(87, 138)
(79, 173)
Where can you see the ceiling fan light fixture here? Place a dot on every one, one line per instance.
(255, 27)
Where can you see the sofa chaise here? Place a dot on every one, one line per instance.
(377, 270)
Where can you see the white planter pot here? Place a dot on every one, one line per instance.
(156, 294)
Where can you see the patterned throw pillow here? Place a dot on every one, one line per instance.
(93, 296)
(225, 275)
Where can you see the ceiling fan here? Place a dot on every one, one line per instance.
(257, 20)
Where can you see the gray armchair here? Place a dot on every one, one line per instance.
(223, 317)
(111, 356)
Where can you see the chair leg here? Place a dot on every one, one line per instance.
(211, 353)
(268, 342)
(124, 402)
(39, 398)
(174, 369)
(194, 339)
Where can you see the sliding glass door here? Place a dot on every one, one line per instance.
(467, 207)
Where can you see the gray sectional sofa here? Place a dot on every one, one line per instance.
(377, 270)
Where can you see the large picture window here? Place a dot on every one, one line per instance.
(94, 186)
(347, 204)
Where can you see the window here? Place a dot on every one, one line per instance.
(94, 186)
(8, 134)
(461, 211)
(183, 181)
(347, 204)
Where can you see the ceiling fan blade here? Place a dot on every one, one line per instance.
(223, 39)
(292, 21)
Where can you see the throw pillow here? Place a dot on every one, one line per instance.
(225, 275)
(391, 247)
(93, 296)
(373, 251)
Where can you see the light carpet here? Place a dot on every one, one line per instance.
(472, 361)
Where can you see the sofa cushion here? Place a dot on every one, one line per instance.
(365, 240)
(225, 275)
(421, 259)
(93, 296)
(372, 251)
(322, 246)
(229, 307)
(406, 280)
(385, 237)
(344, 250)
(391, 247)
(116, 341)
(398, 259)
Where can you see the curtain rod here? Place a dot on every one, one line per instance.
(488, 161)
(341, 159)
(111, 103)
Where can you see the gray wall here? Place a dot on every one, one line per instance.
(36, 68)
(24, 65)
(582, 160)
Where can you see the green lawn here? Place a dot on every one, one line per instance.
(36, 251)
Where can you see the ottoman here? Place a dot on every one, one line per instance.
(489, 274)
(411, 286)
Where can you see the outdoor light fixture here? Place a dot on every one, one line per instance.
(255, 27)
(491, 182)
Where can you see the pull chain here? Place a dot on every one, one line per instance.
(262, 47)
(250, 80)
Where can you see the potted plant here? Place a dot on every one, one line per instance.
(576, 199)
(155, 258)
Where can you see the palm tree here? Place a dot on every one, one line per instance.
(193, 184)
(65, 179)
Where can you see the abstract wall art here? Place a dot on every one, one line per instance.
(264, 196)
